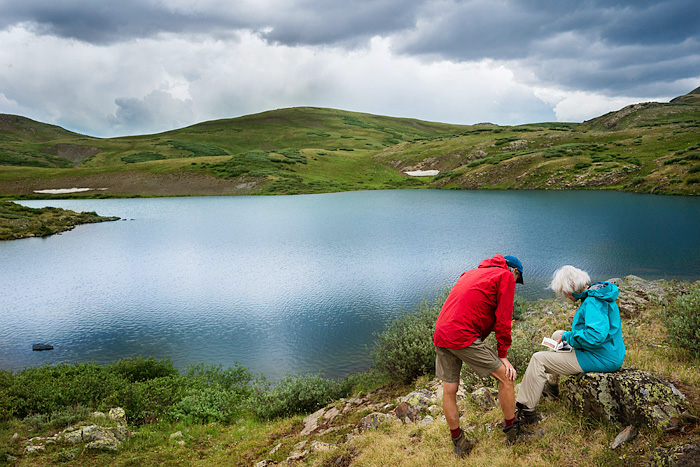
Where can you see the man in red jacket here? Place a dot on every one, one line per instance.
(480, 302)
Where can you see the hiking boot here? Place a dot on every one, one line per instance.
(517, 434)
(463, 446)
(550, 390)
(525, 416)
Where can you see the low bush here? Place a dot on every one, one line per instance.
(405, 350)
(206, 405)
(135, 369)
(683, 321)
(294, 395)
(47, 389)
(143, 156)
(150, 400)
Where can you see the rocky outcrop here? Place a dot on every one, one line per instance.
(636, 294)
(96, 437)
(628, 397)
(687, 455)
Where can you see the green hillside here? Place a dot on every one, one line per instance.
(650, 147)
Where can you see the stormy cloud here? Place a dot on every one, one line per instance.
(135, 66)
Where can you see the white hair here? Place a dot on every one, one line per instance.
(568, 279)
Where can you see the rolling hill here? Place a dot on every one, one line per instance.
(647, 147)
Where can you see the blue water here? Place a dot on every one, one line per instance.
(299, 284)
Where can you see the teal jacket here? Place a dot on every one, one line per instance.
(596, 333)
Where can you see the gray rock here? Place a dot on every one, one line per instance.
(427, 420)
(311, 423)
(636, 294)
(628, 396)
(373, 420)
(118, 414)
(72, 437)
(421, 398)
(625, 435)
(34, 449)
(275, 449)
(485, 398)
(687, 455)
(318, 446)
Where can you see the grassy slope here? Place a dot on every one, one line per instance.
(570, 438)
(282, 151)
(646, 147)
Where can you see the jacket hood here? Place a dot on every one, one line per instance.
(497, 261)
(602, 290)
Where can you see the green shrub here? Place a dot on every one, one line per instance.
(135, 369)
(143, 156)
(295, 394)
(213, 394)
(236, 377)
(57, 419)
(47, 389)
(683, 321)
(150, 400)
(405, 350)
(694, 169)
(206, 405)
(519, 308)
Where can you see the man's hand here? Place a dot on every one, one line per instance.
(510, 371)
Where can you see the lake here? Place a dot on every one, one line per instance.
(299, 284)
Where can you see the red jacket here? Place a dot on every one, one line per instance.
(480, 302)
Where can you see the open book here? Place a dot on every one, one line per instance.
(552, 344)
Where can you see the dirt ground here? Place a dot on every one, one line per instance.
(136, 183)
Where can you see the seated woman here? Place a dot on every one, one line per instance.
(595, 336)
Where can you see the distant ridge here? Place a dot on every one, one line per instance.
(693, 97)
(648, 147)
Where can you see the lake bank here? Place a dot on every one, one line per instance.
(17, 221)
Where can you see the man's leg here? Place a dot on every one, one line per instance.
(449, 404)
(506, 393)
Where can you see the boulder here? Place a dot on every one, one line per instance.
(118, 414)
(485, 398)
(627, 396)
(407, 412)
(40, 347)
(636, 294)
(421, 398)
(687, 455)
(311, 422)
(373, 420)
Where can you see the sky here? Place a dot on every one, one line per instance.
(114, 68)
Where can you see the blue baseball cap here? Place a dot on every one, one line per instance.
(514, 262)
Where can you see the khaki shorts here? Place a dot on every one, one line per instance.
(478, 356)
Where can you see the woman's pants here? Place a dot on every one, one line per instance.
(546, 366)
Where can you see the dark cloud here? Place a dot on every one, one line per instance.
(105, 22)
(604, 46)
(315, 22)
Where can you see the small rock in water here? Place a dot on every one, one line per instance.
(42, 347)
